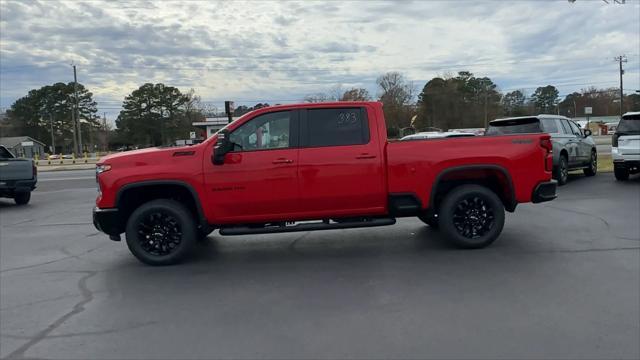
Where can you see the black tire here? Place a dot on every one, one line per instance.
(161, 232)
(621, 173)
(22, 198)
(432, 220)
(471, 216)
(593, 165)
(562, 170)
(202, 235)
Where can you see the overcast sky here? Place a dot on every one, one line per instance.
(277, 52)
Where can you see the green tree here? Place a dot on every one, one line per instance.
(632, 102)
(154, 114)
(545, 99)
(514, 103)
(34, 114)
(457, 102)
(356, 94)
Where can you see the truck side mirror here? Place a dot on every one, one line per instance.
(223, 146)
(587, 133)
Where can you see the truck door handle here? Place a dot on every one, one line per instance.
(282, 161)
(365, 156)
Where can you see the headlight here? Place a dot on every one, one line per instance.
(100, 168)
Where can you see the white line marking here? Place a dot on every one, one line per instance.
(68, 178)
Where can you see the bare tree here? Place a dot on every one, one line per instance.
(317, 97)
(396, 93)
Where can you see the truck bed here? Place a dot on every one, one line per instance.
(414, 166)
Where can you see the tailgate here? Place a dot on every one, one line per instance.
(16, 169)
(629, 145)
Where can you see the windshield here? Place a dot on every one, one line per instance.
(519, 126)
(629, 124)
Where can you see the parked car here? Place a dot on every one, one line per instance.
(18, 177)
(435, 135)
(625, 146)
(316, 166)
(573, 147)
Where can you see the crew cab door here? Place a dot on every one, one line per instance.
(259, 178)
(341, 165)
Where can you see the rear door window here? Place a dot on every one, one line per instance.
(629, 124)
(516, 126)
(550, 126)
(336, 127)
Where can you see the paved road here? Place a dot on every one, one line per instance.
(563, 281)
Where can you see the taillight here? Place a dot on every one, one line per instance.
(545, 143)
(614, 140)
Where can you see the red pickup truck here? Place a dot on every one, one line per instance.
(313, 167)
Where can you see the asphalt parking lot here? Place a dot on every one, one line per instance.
(563, 281)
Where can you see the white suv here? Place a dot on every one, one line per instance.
(625, 148)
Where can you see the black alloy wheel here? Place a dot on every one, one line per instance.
(473, 217)
(159, 233)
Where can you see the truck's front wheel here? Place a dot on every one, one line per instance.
(471, 216)
(161, 232)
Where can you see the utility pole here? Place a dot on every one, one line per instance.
(620, 59)
(53, 140)
(73, 119)
(75, 110)
(486, 116)
(106, 131)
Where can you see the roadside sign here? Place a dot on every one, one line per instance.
(26, 143)
(588, 110)
(192, 135)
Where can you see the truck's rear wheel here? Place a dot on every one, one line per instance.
(471, 216)
(22, 198)
(430, 220)
(161, 232)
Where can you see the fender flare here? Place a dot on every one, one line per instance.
(508, 206)
(144, 183)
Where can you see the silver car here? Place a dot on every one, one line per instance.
(573, 147)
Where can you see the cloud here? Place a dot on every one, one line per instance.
(274, 51)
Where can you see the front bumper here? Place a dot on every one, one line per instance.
(545, 191)
(109, 222)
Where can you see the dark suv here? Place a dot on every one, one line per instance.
(573, 147)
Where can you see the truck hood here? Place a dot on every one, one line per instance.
(144, 154)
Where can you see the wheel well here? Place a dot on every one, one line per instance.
(564, 153)
(494, 178)
(132, 197)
